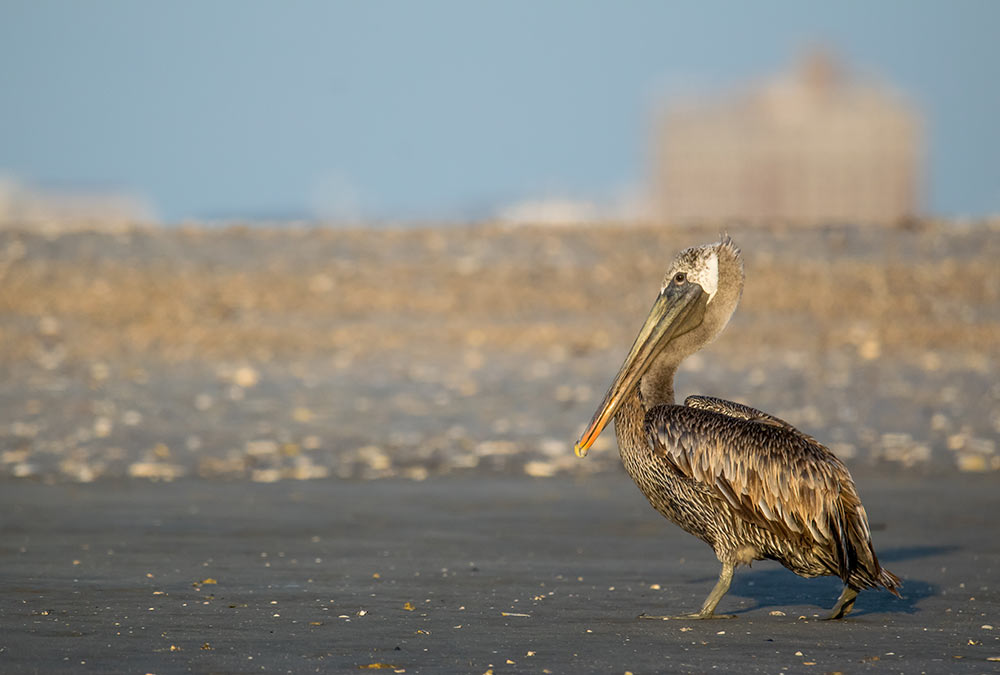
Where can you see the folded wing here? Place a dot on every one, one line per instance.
(770, 474)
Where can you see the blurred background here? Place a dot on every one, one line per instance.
(266, 240)
(363, 112)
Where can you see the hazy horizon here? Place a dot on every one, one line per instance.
(444, 110)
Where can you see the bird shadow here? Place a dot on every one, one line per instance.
(776, 587)
(903, 553)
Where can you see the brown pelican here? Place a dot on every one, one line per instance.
(750, 485)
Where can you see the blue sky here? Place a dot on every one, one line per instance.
(438, 109)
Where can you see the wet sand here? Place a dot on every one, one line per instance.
(467, 575)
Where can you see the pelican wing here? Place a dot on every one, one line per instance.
(737, 410)
(768, 472)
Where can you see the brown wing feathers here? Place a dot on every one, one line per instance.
(768, 472)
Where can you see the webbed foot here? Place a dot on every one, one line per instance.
(693, 616)
(845, 603)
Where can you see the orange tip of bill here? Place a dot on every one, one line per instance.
(580, 450)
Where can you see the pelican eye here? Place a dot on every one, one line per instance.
(680, 278)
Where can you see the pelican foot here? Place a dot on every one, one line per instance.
(845, 603)
(696, 616)
(835, 615)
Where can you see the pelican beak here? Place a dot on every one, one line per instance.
(677, 310)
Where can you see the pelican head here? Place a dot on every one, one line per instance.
(699, 294)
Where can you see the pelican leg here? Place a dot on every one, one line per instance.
(707, 610)
(845, 603)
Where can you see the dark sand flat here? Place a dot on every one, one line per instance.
(466, 575)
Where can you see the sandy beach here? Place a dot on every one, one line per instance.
(308, 450)
(267, 354)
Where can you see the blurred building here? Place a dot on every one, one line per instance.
(810, 147)
(550, 212)
(60, 210)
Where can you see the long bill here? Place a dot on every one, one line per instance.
(676, 311)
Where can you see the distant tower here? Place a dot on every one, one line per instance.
(811, 147)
